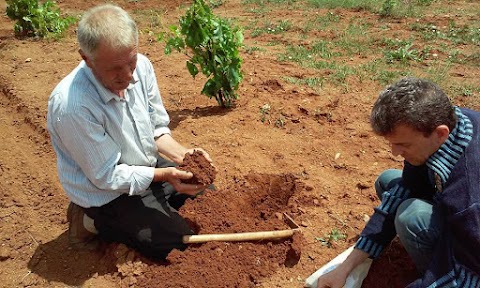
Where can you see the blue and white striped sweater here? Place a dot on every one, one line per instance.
(391, 199)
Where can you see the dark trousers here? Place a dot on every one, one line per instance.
(150, 223)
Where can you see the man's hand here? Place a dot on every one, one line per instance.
(338, 276)
(174, 176)
(333, 279)
(205, 154)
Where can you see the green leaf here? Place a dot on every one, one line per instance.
(209, 88)
(34, 19)
(192, 69)
(214, 44)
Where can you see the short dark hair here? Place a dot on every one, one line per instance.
(416, 103)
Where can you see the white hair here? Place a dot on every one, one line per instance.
(108, 23)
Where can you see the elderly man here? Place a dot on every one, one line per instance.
(433, 205)
(108, 127)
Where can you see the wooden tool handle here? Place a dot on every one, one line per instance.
(247, 236)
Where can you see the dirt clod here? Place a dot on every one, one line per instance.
(203, 171)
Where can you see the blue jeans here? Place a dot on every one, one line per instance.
(417, 222)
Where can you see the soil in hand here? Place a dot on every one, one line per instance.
(203, 171)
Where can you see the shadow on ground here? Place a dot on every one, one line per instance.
(56, 261)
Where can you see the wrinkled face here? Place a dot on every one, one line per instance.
(413, 145)
(113, 67)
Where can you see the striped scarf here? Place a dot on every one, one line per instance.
(445, 158)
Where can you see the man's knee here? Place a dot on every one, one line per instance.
(388, 179)
(414, 219)
(159, 246)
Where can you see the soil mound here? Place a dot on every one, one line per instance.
(252, 204)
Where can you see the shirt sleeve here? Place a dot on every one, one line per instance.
(380, 229)
(97, 155)
(158, 114)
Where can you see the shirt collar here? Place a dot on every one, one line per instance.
(105, 94)
(444, 159)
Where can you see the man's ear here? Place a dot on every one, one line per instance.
(442, 132)
(87, 60)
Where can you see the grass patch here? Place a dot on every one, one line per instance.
(314, 82)
(268, 27)
(346, 4)
(253, 49)
(329, 240)
(371, 48)
(455, 34)
(385, 8)
(265, 2)
(404, 52)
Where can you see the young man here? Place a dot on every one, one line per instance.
(433, 205)
(108, 127)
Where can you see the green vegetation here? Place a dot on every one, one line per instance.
(280, 122)
(152, 18)
(215, 3)
(329, 239)
(34, 19)
(269, 28)
(314, 82)
(265, 2)
(369, 40)
(385, 8)
(467, 90)
(348, 4)
(402, 52)
(338, 44)
(214, 43)
(262, 7)
(463, 34)
(264, 111)
(252, 49)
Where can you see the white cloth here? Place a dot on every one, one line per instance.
(354, 279)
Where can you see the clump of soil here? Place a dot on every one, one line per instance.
(203, 171)
(381, 275)
(248, 205)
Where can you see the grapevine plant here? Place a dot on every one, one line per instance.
(214, 45)
(36, 19)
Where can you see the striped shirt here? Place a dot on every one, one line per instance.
(104, 143)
